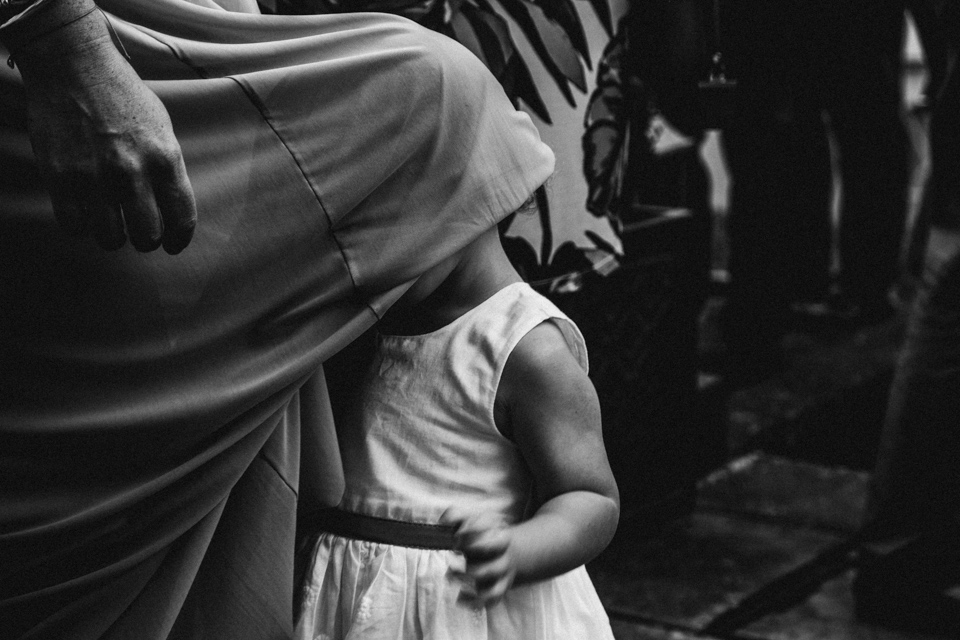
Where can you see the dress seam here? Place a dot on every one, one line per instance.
(262, 110)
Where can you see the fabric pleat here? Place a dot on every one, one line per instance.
(149, 412)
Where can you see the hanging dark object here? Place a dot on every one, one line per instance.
(716, 93)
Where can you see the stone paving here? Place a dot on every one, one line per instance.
(768, 551)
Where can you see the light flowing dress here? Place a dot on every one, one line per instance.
(149, 404)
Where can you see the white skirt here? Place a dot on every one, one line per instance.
(371, 591)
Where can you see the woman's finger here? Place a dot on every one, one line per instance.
(176, 203)
(67, 206)
(139, 209)
(104, 217)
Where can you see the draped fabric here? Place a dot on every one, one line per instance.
(149, 405)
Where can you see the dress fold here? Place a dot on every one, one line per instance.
(139, 389)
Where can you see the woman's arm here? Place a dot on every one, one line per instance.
(548, 406)
(103, 141)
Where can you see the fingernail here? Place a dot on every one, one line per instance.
(177, 241)
(144, 247)
(173, 246)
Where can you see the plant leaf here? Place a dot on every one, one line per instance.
(519, 84)
(460, 29)
(558, 44)
(602, 9)
(564, 13)
(599, 242)
(520, 12)
(493, 36)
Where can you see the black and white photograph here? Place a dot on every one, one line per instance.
(479, 320)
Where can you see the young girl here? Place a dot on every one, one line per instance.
(477, 484)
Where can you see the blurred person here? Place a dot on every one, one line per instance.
(798, 68)
(915, 491)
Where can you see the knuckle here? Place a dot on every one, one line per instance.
(123, 161)
(165, 158)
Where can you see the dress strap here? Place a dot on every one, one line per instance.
(373, 529)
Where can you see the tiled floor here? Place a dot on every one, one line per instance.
(768, 552)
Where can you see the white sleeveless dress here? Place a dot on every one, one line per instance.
(424, 441)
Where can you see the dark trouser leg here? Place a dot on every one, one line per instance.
(779, 224)
(916, 487)
(863, 98)
(917, 479)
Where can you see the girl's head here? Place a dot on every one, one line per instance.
(455, 285)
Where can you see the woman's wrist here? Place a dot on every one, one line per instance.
(56, 37)
(79, 51)
(39, 17)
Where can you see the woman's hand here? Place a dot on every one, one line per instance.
(484, 540)
(103, 141)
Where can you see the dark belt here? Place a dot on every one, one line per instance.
(372, 529)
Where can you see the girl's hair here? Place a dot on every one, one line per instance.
(529, 206)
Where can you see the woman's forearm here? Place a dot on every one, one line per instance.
(103, 141)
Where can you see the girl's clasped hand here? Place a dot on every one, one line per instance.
(490, 569)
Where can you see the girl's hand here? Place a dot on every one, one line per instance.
(484, 540)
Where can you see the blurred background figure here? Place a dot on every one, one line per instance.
(806, 73)
(915, 497)
(643, 125)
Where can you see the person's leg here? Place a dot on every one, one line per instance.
(864, 105)
(917, 480)
(914, 504)
(778, 157)
(916, 486)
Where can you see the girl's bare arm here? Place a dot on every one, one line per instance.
(548, 406)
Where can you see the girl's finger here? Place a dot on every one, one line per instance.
(460, 577)
(488, 573)
(475, 527)
(453, 517)
(492, 594)
(485, 545)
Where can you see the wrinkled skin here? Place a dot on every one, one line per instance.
(104, 142)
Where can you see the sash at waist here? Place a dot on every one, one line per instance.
(383, 530)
